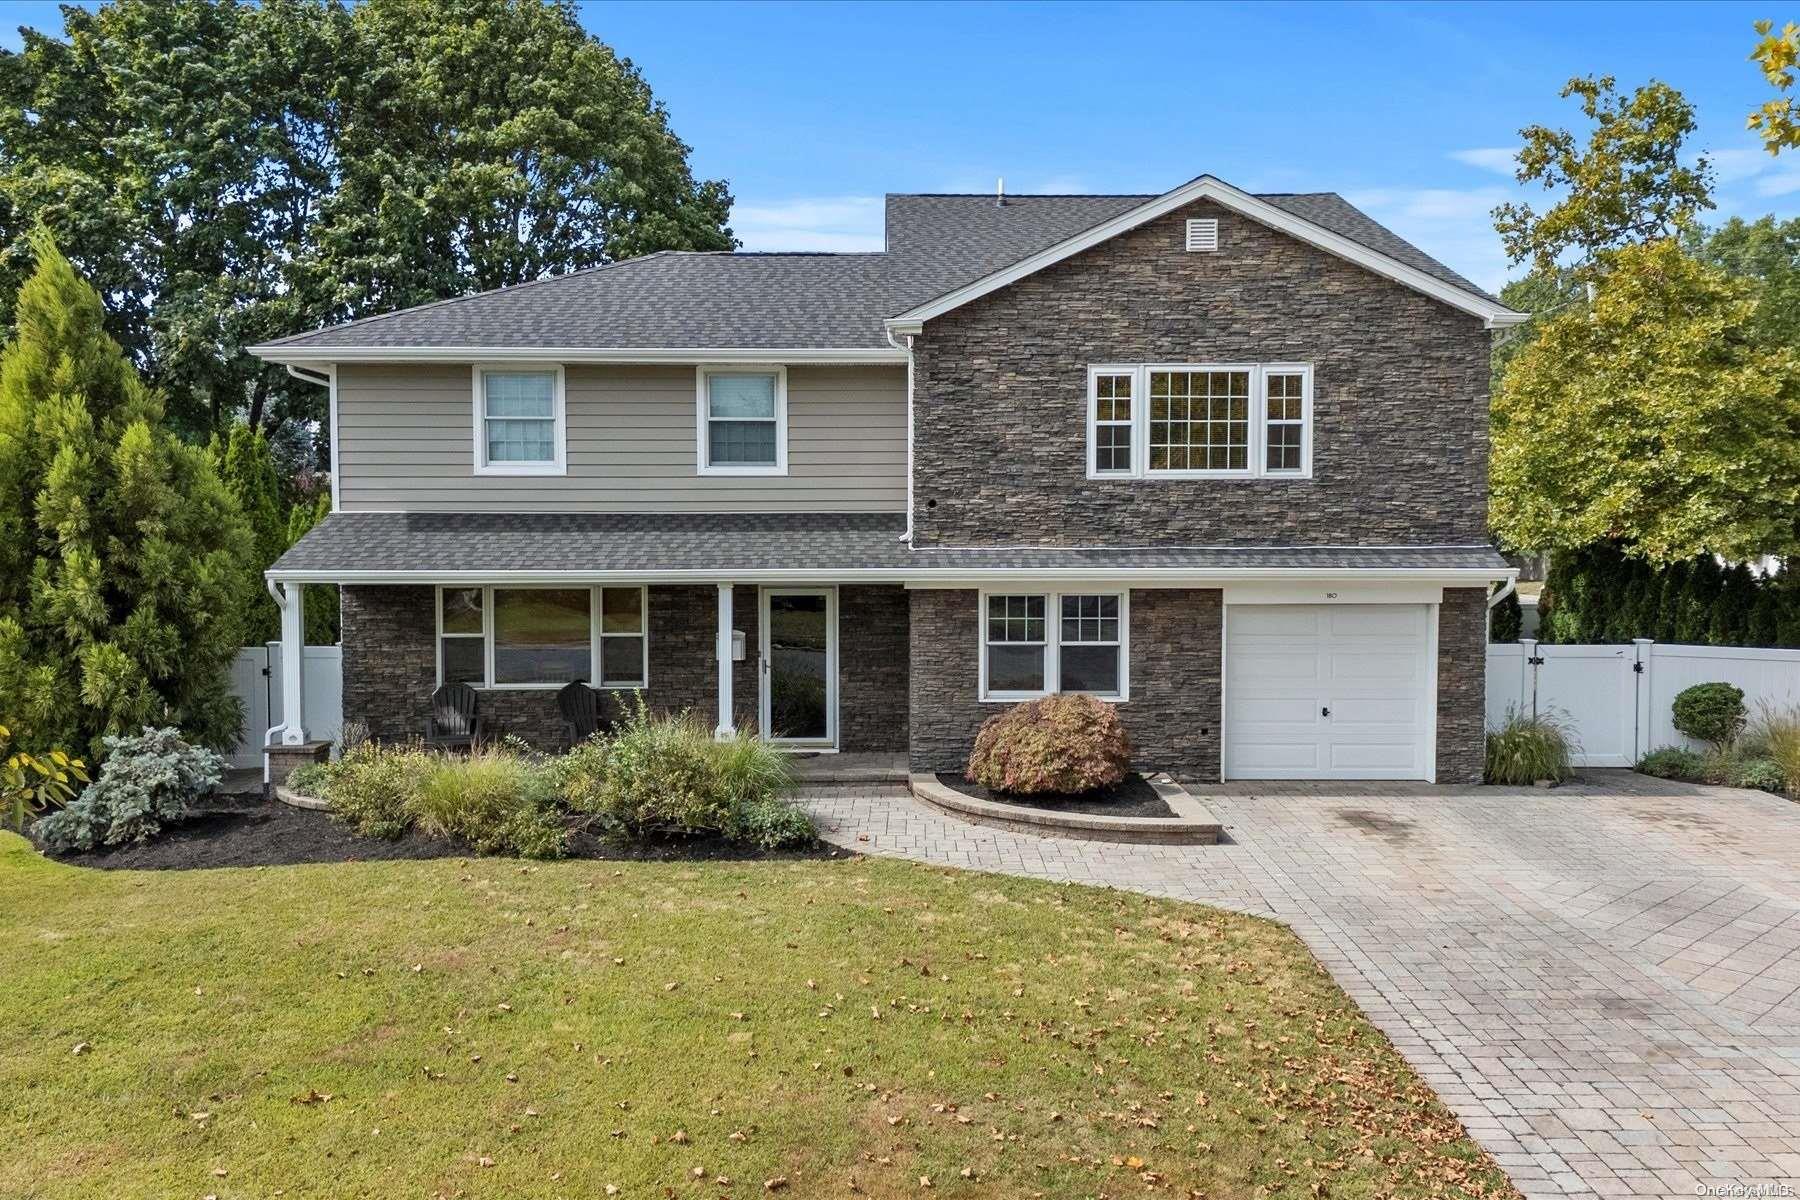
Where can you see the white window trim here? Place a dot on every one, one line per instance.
(1052, 641)
(557, 465)
(1259, 425)
(594, 636)
(702, 444)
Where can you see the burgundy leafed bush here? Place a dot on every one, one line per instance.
(1062, 743)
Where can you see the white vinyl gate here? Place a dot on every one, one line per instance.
(1618, 699)
(256, 680)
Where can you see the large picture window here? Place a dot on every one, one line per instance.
(1035, 643)
(519, 421)
(543, 637)
(1173, 420)
(742, 419)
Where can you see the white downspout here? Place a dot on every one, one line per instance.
(907, 536)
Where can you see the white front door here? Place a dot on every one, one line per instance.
(1324, 691)
(799, 666)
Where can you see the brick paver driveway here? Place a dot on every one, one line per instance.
(1603, 980)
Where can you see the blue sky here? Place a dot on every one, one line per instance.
(813, 111)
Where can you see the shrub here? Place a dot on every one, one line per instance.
(1777, 733)
(30, 783)
(1526, 749)
(668, 775)
(1760, 774)
(1710, 712)
(494, 800)
(1063, 743)
(147, 782)
(370, 787)
(308, 779)
(1673, 762)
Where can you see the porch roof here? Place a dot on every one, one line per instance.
(433, 547)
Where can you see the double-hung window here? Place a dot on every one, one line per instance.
(1035, 643)
(519, 421)
(1184, 421)
(542, 637)
(742, 420)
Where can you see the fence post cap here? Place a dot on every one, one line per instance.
(1643, 641)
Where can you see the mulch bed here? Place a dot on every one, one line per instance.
(247, 831)
(1132, 798)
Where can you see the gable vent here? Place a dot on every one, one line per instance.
(1202, 235)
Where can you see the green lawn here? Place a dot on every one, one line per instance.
(485, 1028)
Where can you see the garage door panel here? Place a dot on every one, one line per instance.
(1368, 664)
(1375, 620)
(1272, 620)
(1255, 711)
(1266, 757)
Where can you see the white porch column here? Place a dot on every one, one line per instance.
(291, 597)
(724, 728)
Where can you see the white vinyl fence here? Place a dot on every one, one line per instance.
(256, 680)
(1618, 698)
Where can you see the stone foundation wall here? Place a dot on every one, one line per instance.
(390, 665)
(1173, 714)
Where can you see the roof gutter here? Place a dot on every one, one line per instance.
(914, 576)
(278, 352)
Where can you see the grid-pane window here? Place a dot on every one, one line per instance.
(742, 426)
(1286, 421)
(519, 417)
(543, 635)
(1016, 640)
(1089, 645)
(462, 643)
(622, 636)
(1199, 420)
(1112, 424)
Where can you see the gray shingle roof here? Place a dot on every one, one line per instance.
(715, 300)
(827, 544)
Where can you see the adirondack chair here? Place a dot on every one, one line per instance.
(454, 721)
(580, 707)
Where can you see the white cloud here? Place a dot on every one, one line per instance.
(1499, 159)
(818, 223)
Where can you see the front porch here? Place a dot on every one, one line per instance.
(765, 658)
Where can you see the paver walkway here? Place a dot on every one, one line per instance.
(1603, 981)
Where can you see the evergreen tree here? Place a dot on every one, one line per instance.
(122, 557)
(1505, 619)
(1693, 616)
(1763, 628)
(1668, 602)
(1787, 617)
(321, 599)
(247, 468)
(1637, 615)
(1731, 613)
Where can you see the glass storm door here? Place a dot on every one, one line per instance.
(799, 666)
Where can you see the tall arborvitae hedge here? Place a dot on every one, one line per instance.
(122, 556)
(1605, 594)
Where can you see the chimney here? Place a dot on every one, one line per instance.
(1000, 192)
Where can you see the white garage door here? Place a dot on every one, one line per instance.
(1317, 691)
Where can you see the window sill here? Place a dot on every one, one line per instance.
(729, 471)
(552, 687)
(524, 469)
(1024, 697)
(1154, 476)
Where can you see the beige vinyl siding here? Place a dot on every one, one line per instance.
(407, 437)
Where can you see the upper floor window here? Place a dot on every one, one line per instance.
(1188, 421)
(519, 421)
(742, 421)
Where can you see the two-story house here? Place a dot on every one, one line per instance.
(1217, 457)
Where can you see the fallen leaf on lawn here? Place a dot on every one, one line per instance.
(775, 1184)
(680, 1137)
(81, 1048)
(485, 1161)
(669, 987)
(309, 1096)
(612, 1189)
(924, 1180)
(220, 1172)
(504, 1007)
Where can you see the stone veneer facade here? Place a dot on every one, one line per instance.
(390, 664)
(1172, 715)
(1462, 686)
(1400, 394)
